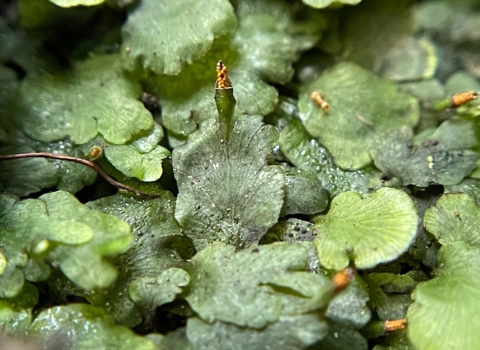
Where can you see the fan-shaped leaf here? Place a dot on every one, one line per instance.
(156, 36)
(444, 313)
(368, 231)
(361, 107)
(254, 287)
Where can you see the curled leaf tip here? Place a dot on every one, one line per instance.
(317, 98)
(222, 77)
(462, 98)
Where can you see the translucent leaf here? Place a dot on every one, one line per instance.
(361, 107)
(84, 327)
(410, 59)
(150, 257)
(227, 191)
(320, 4)
(94, 97)
(254, 287)
(454, 218)
(157, 37)
(445, 309)
(367, 231)
(440, 158)
(359, 39)
(71, 3)
(288, 333)
(143, 166)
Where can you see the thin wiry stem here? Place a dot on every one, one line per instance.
(88, 163)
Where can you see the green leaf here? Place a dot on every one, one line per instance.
(16, 313)
(71, 3)
(85, 265)
(254, 287)
(349, 307)
(291, 230)
(468, 186)
(355, 37)
(445, 309)
(227, 191)
(157, 37)
(454, 218)
(57, 228)
(94, 97)
(306, 153)
(169, 281)
(304, 193)
(341, 337)
(288, 333)
(362, 106)
(389, 294)
(320, 4)
(367, 231)
(441, 158)
(86, 327)
(410, 59)
(22, 177)
(150, 258)
(132, 163)
(265, 45)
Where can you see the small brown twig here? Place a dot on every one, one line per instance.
(88, 163)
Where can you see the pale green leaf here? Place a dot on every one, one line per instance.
(144, 166)
(320, 4)
(444, 312)
(366, 231)
(71, 3)
(454, 218)
(410, 59)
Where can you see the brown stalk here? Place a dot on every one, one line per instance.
(88, 163)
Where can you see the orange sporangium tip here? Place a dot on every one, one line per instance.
(222, 76)
(342, 279)
(462, 98)
(315, 96)
(395, 325)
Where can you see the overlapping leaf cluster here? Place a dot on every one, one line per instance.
(259, 193)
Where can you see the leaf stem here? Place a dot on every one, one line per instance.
(88, 163)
